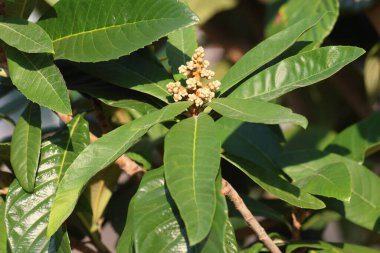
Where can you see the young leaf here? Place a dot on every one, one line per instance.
(270, 181)
(25, 147)
(25, 36)
(27, 214)
(36, 76)
(332, 180)
(266, 51)
(359, 140)
(180, 47)
(19, 8)
(134, 72)
(287, 75)
(192, 161)
(99, 155)
(256, 111)
(147, 232)
(113, 28)
(254, 142)
(3, 231)
(230, 243)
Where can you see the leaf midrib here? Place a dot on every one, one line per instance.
(82, 33)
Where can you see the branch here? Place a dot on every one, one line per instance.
(232, 194)
(129, 166)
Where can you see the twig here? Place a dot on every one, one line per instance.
(296, 226)
(129, 166)
(232, 194)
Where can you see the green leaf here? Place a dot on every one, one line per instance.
(254, 142)
(36, 76)
(332, 180)
(180, 47)
(113, 28)
(363, 184)
(25, 147)
(3, 231)
(271, 181)
(118, 97)
(146, 232)
(134, 72)
(359, 140)
(256, 111)
(266, 51)
(19, 8)
(287, 75)
(294, 10)
(207, 11)
(230, 239)
(5, 152)
(25, 36)
(372, 73)
(99, 155)
(192, 161)
(325, 247)
(27, 214)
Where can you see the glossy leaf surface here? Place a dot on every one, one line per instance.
(25, 36)
(25, 146)
(265, 52)
(27, 214)
(146, 232)
(297, 71)
(3, 231)
(132, 25)
(324, 247)
(19, 8)
(134, 72)
(363, 184)
(271, 181)
(38, 79)
(333, 180)
(256, 111)
(294, 10)
(359, 140)
(180, 47)
(192, 161)
(254, 142)
(99, 155)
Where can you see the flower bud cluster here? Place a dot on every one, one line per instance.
(195, 71)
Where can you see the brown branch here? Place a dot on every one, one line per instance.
(232, 194)
(126, 164)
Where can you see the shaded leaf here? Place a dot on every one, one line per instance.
(36, 76)
(288, 74)
(266, 51)
(99, 155)
(19, 8)
(271, 181)
(254, 142)
(372, 73)
(149, 233)
(5, 152)
(25, 147)
(359, 140)
(25, 36)
(363, 184)
(332, 180)
(256, 111)
(192, 163)
(180, 47)
(27, 214)
(3, 231)
(325, 247)
(294, 10)
(113, 28)
(134, 72)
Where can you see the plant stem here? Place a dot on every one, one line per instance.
(232, 194)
